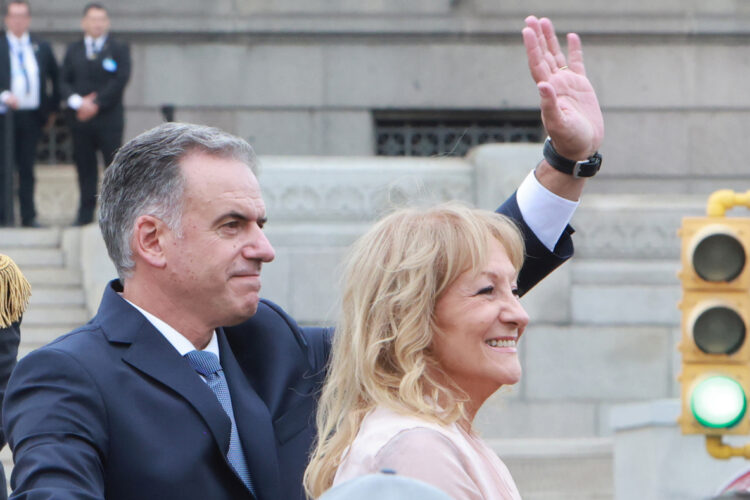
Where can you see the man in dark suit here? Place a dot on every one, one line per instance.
(29, 87)
(186, 384)
(95, 72)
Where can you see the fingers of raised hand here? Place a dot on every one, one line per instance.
(553, 46)
(540, 70)
(575, 54)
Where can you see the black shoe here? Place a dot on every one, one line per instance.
(31, 223)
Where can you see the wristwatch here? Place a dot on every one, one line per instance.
(586, 168)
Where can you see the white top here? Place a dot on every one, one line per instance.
(24, 77)
(448, 458)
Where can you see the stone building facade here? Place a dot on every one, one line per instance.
(309, 77)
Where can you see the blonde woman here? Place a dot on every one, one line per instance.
(430, 318)
(429, 328)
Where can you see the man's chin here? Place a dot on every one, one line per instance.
(243, 316)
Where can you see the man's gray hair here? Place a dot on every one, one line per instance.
(145, 179)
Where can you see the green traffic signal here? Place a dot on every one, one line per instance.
(718, 402)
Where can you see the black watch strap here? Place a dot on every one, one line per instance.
(587, 168)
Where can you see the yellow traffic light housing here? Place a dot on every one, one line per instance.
(714, 400)
(715, 308)
(714, 253)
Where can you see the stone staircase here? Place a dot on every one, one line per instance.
(49, 261)
(57, 302)
(559, 469)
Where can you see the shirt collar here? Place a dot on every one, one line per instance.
(178, 341)
(16, 41)
(97, 42)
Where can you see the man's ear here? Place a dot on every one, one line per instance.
(148, 240)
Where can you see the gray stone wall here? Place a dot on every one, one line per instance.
(300, 77)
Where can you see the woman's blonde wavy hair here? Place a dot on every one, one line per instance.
(381, 355)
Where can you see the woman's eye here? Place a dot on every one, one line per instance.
(486, 290)
(515, 291)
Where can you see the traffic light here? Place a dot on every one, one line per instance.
(715, 308)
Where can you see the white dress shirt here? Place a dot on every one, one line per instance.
(544, 212)
(24, 77)
(178, 341)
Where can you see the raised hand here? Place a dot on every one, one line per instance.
(570, 109)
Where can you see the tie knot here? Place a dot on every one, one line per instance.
(205, 363)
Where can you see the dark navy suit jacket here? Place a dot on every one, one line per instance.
(112, 410)
(81, 76)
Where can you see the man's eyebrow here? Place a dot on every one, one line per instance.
(239, 216)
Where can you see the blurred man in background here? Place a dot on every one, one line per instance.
(94, 74)
(28, 87)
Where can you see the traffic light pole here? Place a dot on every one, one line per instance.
(717, 449)
(721, 201)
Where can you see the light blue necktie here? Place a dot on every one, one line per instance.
(22, 64)
(207, 364)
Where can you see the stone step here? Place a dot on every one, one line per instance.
(624, 272)
(55, 315)
(44, 295)
(625, 304)
(27, 237)
(40, 335)
(560, 469)
(52, 277)
(31, 257)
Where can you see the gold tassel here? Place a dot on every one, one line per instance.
(14, 292)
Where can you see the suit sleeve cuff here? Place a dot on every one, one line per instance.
(546, 214)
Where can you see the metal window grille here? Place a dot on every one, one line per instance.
(56, 144)
(452, 133)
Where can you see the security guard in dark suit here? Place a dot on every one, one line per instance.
(28, 87)
(95, 72)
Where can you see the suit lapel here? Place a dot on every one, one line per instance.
(103, 51)
(153, 355)
(37, 54)
(253, 425)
